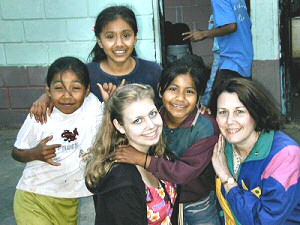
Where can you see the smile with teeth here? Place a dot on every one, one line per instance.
(233, 130)
(178, 106)
(119, 51)
(152, 134)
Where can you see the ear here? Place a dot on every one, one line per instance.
(47, 90)
(159, 89)
(135, 40)
(99, 43)
(118, 126)
(87, 92)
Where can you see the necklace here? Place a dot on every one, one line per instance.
(238, 159)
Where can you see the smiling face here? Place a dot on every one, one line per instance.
(117, 40)
(179, 99)
(235, 121)
(67, 92)
(142, 124)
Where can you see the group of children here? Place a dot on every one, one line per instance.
(141, 163)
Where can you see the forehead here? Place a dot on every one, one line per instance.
(140, 108)
(184, 80)
(68, 75)
(229, 100)
(118, 24)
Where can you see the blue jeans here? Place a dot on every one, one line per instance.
(202, 212)
(214, 69)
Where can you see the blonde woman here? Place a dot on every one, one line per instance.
(128, 194)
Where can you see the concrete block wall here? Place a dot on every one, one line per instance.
(35, 33)
(195, 13)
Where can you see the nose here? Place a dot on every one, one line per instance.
(230, 118)
(119, 40)
(180, 95)
(67, 94)
(150, 123)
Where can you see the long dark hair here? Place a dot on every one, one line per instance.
(106, 16)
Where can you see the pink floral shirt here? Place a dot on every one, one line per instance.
(160, 204)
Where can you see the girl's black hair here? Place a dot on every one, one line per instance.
(68, 63)
(106, 16)
(190, 64)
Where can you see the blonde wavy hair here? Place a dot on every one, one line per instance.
(108, 137)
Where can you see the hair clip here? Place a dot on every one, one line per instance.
(93, 28)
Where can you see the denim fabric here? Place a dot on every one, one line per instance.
(202, 212)
(214, 69)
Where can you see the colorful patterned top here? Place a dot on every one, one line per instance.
(160, 203)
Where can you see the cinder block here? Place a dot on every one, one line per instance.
(13, 76)
(12, 118)
(96, 6)
(145, 49)
(2, 55)
(4, 104)
(65, 9)
(22, 98)
(81, 29)
(142, 7)
(19, 9)
(145, 25)
(45, 30)
(195, 13)
(172, 3)
(170, 14)
(80, 50)
(37, 75)
(11, 31)
(203, 3)
(26, 54)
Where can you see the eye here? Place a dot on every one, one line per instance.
(239, 111)
(153, 114)
(58, 88)
(190, 91)
(138, 121)
(110, 36)
(77, 88)
(222, 112)
(127, 35)
(172, 88)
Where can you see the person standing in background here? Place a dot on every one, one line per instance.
(214, 68)
(233, 31)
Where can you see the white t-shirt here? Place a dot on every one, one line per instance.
(75, 132)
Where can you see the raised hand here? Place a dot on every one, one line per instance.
(108, 89)
(219, 159)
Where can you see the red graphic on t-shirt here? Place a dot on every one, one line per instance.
(70, 136)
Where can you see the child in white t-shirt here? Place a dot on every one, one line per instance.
(54, 152)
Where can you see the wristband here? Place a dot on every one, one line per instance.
(146, 160)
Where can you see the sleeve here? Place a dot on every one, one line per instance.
(28, 134)
(223, 13)
(280, 192)
(191, 164)
(127, 206)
